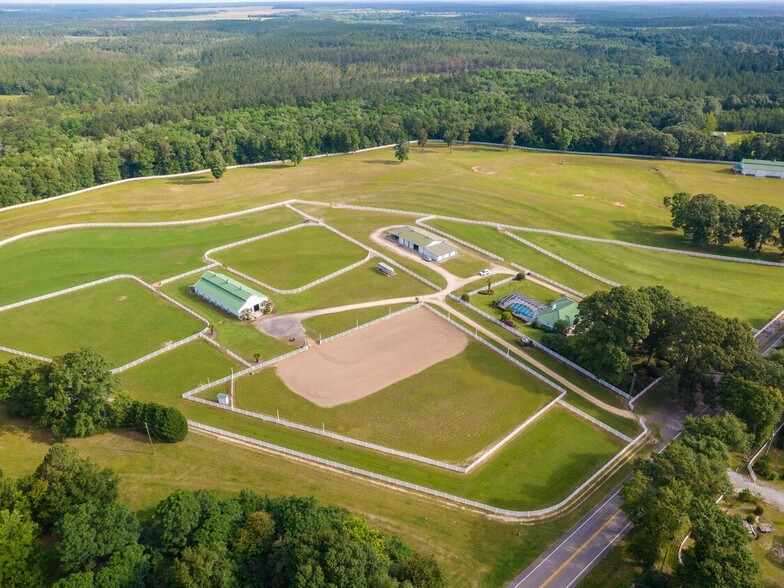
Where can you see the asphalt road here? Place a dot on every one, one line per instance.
(582, 547)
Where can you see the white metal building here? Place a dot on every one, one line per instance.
(428, 245)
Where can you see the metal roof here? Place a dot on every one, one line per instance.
(440, 249)
(563, 309)
(416, 237)
(763, 165)
(226, 290)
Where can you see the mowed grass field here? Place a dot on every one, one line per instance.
(121, 320)
(165, 378)
(750, 292)
(451, 411)
(474, 551)
(611, 197)
(326, 325)
(47, 263)
(293, 259)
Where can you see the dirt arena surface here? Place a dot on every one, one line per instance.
(369, 360)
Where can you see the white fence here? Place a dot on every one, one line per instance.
(207, 254)
(160, 351)
(25, 354)
(557, 285)
(249, 370)
(519, 514)
(595, 421)
(562, 260)
(492, 285)
(225, 350)
(542, 348)
(198, 270)
(645, 390)
(370, 324)
(756, 455)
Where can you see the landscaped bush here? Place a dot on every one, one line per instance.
(166, 423)
(746, 495)
(520, 276)
(763, 467)
(465, 297)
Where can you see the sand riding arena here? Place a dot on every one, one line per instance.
(371, 359)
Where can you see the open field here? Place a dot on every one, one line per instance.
(242, 337)
(772, 570)
(51, 262)
(326, 325)
(734, 137)
(293, 259)
(5, 356)
(485, 183)
(749, 292)
(450, 411)
(121, 320)
(371, 359)
(474, 551)
(491, 239)
(362, 284)
(165, 378)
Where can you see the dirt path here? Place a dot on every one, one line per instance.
(770, 495)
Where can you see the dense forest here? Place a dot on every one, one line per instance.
(91, 95)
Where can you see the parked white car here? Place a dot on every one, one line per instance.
(484, 272)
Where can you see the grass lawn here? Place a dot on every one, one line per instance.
(511, 250)
(327, 325)
(749, 292)
(362, 284)
(121, 320)
(51, 262)
(4, 357)
(465, 264)
(734, 137)
(473, 550)
(360, 224)
(165, 378)
(626, 426)
(610, 197)
(293, 259)
(772, 570)
(242, 337)
(450, 411)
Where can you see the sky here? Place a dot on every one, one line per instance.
(279, 2)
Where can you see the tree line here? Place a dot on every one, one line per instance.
(707, 220)
(76, 395)
(63, 524)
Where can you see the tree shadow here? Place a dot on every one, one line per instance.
(190, 181)
(24, 428)
(380, 162)
(656, 235)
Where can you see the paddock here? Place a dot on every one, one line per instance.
(371, 359)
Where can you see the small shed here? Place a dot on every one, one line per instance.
(223, 399)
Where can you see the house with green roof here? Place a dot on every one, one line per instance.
(230, 295)
(429, 246)
(564, 309)
(760, 168)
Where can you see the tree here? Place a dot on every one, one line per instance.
(759, 407)
(176, 518)
(15, 375)
(65, 480)
(667, 310)
(704, 218)
(720, 555)
(759, 225)
(90, 533)
(20, 554)
(450, 136)
(465, 297)
(621, 316)
(465, 134)
(422, 571)
(422, 138)
(217, 164)
(728, 429)
(71, 397)
(401, 150)
(205, 566)
(509, 138)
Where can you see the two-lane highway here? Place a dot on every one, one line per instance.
(573, 556)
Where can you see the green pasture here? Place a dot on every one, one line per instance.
(450, 411)
(121, 320)
(735, 137)
(611, 197)
(361, 284)
(293, 259)
(749, 292)
(242, 337)
(4, 357)
(537, 468)
(165, 378)
(47, 263)
(326, 325)
(465, 264)
(473, 550)
(623, 425)
(360, 224)
(491, 239)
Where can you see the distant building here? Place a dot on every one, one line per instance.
(424, 243)
(223, 399)
(532, 311)
(760, 168)
(230, 295)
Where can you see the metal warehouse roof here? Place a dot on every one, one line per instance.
(226, 290)
(440, 249)
(416, 236)
(763, 165)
